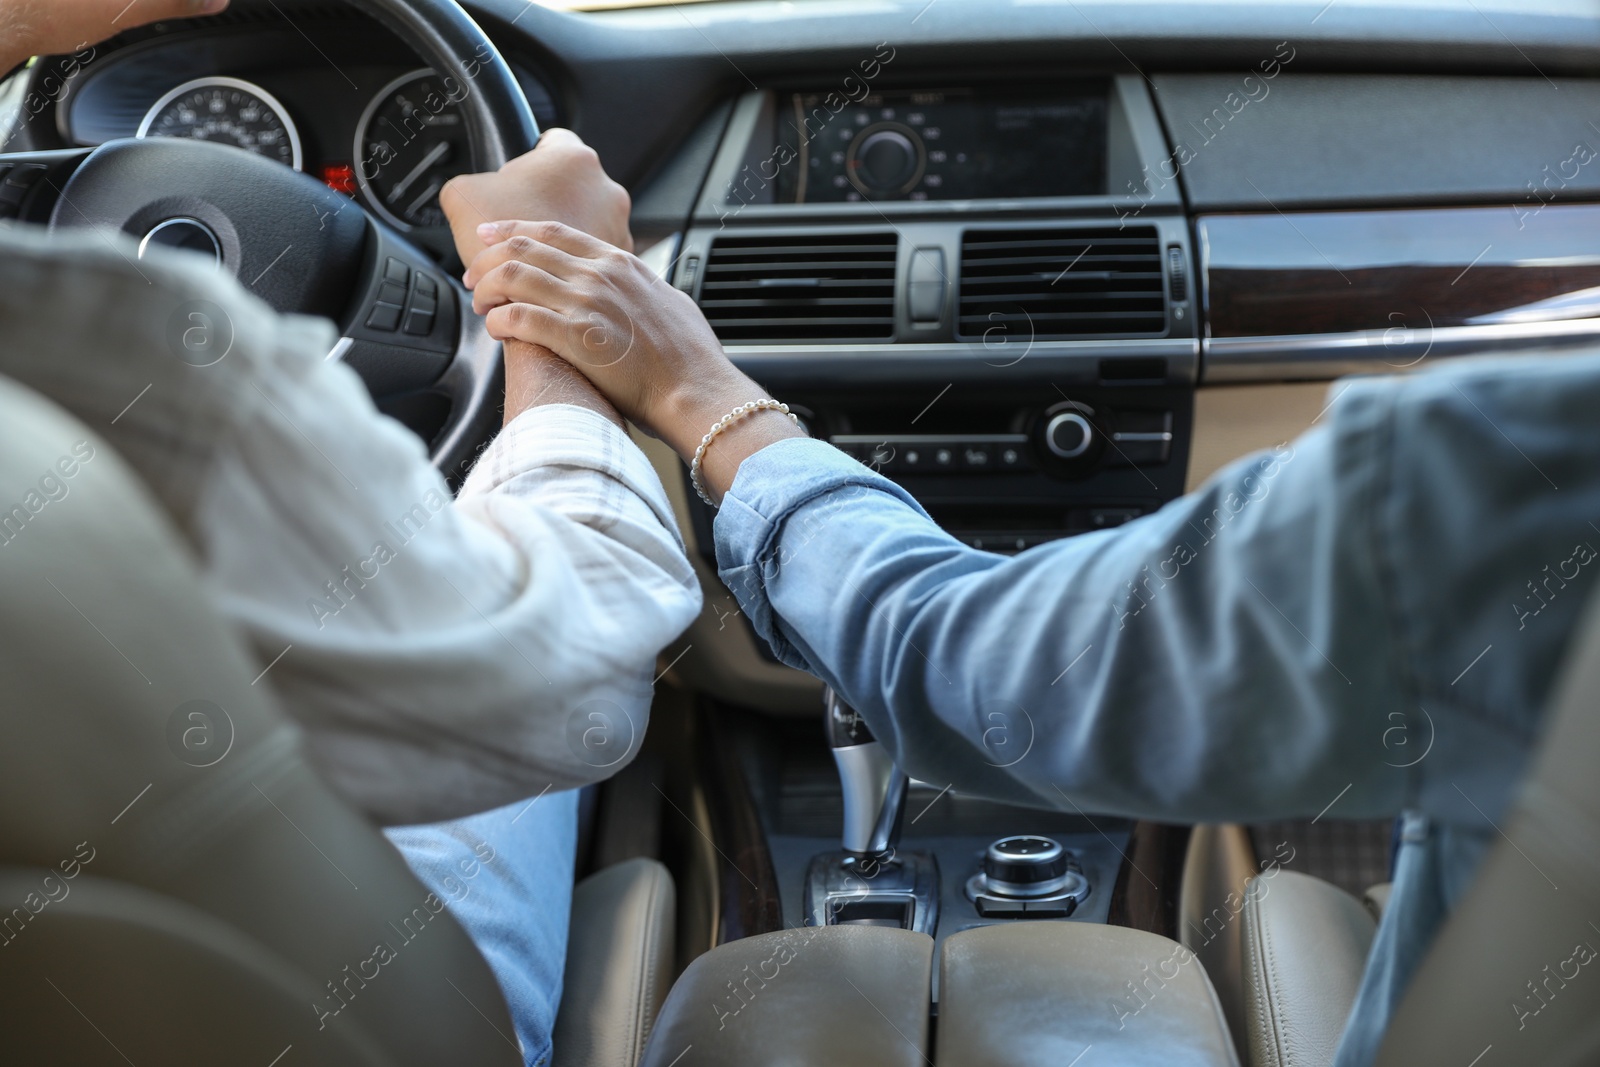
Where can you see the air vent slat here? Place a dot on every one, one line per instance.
(1063, 283)
(793, 288)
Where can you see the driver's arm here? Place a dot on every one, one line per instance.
(47, 27)
(443, 657)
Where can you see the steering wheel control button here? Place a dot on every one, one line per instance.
(419, 323)
(385, 317)
(15, 185)
(396, 271)
(1069, 435)
(424, 308)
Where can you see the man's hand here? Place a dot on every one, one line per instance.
(561, 180)
(49, 27)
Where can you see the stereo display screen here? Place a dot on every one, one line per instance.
(954, 144)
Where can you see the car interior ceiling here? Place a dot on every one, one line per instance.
(874, 208)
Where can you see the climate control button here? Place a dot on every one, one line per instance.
(1069, 435)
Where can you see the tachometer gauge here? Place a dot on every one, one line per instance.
(411, 140)
(227, 111)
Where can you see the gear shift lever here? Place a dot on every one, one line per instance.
(874, 788)
(868, 883)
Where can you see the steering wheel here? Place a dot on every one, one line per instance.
(407, 326)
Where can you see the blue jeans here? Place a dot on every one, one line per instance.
(506, 876)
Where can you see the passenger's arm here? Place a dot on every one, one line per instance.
(1266, 647)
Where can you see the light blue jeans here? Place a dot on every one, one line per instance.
(506, 876)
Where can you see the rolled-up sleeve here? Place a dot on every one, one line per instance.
(443, 657)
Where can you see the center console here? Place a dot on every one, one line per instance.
(974, 290)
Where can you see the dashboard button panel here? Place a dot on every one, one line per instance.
(937, 453)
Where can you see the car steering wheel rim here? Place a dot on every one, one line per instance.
(252, 205)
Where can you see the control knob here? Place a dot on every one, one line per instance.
(1069, 435)
(886, 158)
(1027, 866)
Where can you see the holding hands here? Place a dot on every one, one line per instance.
(642, 342)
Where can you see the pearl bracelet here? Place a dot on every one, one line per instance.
(722, 424)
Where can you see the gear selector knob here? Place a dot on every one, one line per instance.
(874, 788)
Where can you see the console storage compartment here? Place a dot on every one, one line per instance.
(1021, 993)
(839, 996)
(1043, 992)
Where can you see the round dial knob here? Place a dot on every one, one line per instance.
(885, 159)
(1026, 866)
(1069, 435)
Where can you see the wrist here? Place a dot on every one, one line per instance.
(692, 408)
(727, 450)
(536, 377)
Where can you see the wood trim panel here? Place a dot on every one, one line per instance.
(1341, 271)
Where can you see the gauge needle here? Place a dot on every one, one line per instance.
(438, 153)
(427, 194)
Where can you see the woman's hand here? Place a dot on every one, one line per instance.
(51, 27)
(643, 343)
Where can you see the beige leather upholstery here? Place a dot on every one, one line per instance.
(1376, 898)
(172, 897)
(1305, 946)
(831, 996)
(1220, 862)
(619, 965)
(1514, 976)
(1043, 992)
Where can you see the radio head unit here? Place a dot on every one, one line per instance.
(950, 144)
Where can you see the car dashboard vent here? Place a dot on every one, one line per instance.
(1062, 283)
(836, 288)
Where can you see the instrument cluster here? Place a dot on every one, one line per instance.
(354, 108)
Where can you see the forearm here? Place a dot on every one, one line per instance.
(49, 27)
(1141, 671)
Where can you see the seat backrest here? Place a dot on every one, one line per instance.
(1514, 975)
(175, 882)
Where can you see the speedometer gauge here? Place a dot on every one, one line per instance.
(411, 140)
(227, 111)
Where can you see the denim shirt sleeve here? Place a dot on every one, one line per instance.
(1264, 647)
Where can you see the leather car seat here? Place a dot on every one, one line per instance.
(1509, 973)
(176, 884)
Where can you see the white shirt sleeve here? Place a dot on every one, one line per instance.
(443, 657)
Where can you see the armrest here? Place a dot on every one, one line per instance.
(845, 996)
(1305, 946)
(619, 964)
(1044, 992)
